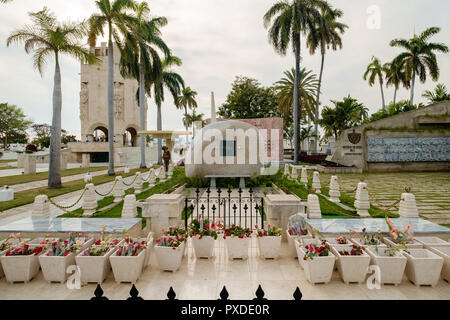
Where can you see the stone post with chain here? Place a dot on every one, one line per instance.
(362, 203)
(316, 182)
(89, 204)
(334, 189)
(118, 191)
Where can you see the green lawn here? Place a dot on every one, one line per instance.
(26, 197)
(7, 167)
(24, 178)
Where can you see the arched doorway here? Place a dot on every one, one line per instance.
(130, 137)
(100, 134)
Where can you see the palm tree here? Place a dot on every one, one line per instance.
(186, 100)
(328, 33)
(288, 20)
(438, 94)
(307, 88)
(46, 37)
(192, 118)
(419, 56)
(170, 80)
(140, 58)
(115, 15)
(395, 75)
(375, 70)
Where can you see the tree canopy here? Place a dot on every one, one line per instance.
(13, 123)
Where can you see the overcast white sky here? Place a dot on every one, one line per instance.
(218, 40)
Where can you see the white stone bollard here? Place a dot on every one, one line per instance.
(41, 207)
(304, 176)
(29, 164)
(170, 172)
(294, 173)
(313, 207)
(286, 169)
(162, 173)
(334, 189)
(119, 190)
(362, 203)
(89, 204)
(129, 207)
(126, 170)
(138, 183)
(151, 177)
(408, 206)
(88, 178)
(316, 182)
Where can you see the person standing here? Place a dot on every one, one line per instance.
(166, 157)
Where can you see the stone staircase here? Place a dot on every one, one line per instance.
(439, 218)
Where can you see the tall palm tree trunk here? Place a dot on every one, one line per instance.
(111, 105)
(296, 104)
(159, 128)
(54, 171)
(186, 124)
(382, 95)
(413, 82)
(316, 122)
(142, 109)
(395, 94)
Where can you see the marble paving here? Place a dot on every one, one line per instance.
(204, 279)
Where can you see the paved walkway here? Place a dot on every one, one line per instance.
(204, 279)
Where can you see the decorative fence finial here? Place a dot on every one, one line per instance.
(260, 294)
(98, 294)
(297, 294)
(224, 294)
(134, 294)
(171, 295)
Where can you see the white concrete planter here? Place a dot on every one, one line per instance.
(54, 267)
(351, 268)
(359, 242)
(269, 247)
(237, 248)
(148, 251)
(332, 240)
(412, 245)
(94, 268)
(127, 268)
(443, 252)
(291, 243)
(169, 259)
(432, 242)
(204, 247)
(299, 243)
(87, 242)
(391, 268)
(424, 267)
(20, 268)
(2, 273)
(320, 269)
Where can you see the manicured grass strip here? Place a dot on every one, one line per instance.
(24, 178)
(116, 211)
(7, 168)
(26, 197)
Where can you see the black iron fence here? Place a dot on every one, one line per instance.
(242, 208)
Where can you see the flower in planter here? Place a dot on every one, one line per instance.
(368, 239)
(174, 231)
(341, 240)
(203, 228)
(314, 250)
(131, 248)
(355, 251)
(23, 249)
(63, 248)
(270, 232)
(405, 236)
(237, 231)
(173, 242)
(96, 251)
(297, 226)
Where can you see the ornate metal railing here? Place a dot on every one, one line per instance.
(243, 210)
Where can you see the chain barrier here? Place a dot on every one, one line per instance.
(64, 208)
(105, 194)
(341, 188)
(129, 185)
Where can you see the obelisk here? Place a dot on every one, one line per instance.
(213, 108)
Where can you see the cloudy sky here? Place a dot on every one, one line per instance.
(218, 40)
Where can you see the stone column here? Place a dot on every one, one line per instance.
(286, 169)
(334, 189)
(41, 207)
(151, 178)
(294, 173)
(118, 191)
(304, 176)
(138, 183)
(129, 207)
(316, 182)
(89, 204)
(362, 203)
(279, 207)
(29, 164)
(85, 160)
(163, 211)
(408, 206)
(63, 161)
(313, 207)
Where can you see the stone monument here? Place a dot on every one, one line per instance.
(408, 206)
(316, 182)
(313, 207)
(334, 189)
(304, 176)
(138, 183)
(89, 204)
(294, 173)
(362, 203)
(129, 207)
(119, 190)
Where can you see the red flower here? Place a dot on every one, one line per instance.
(290, 232)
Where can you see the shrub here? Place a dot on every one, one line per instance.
(30, 148)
